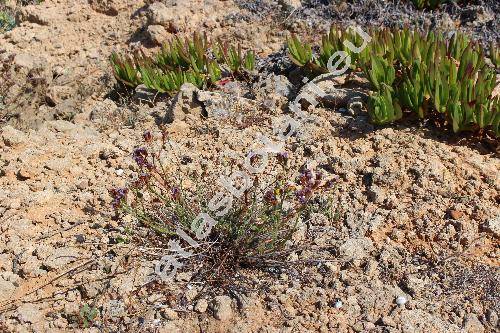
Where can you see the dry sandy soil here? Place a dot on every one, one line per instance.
(416, 213)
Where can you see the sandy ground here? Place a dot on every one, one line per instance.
(416, 214)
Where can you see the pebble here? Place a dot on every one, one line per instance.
(338, 304)
(222, 308)
(401, 300)
(201, 306)
(119, 172)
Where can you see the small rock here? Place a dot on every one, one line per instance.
(493, 225)
(388, 321)
(114, 308)
(201, 306)
(472, 324)
(335, 96)
(82, 184)
(492, 317)
(61, 257)
(159, 14)
(107, 7)
(103, 110)
(144, 95)
(29, 313)
(12, 137)
(80, 238)
(456, 214)
(338, 304)
(290, 4)
(356, 248)
(157, 34)
(185, 102)
(222, 308)
(169, 314)
(56, 94)
(39, 15)
(401, 300)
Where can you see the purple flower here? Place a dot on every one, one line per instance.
(118, 194)
(140, 156)
(142, 180)
(176, 192)
(270, 197)
(329, 183)
(301, 196)
(305, 177)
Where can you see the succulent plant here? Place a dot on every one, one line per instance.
(181, 61)
(300, 53)
(380, 72)
(495, 55)
(7, 21)
(383, 108)
(125, 70)
(170, 81)
(233, 57)
(187, 54)
(419, 72)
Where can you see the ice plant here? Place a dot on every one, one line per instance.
(194, 60)
(419, 73)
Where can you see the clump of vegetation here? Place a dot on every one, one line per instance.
(195, 60)
(8, 13)
(419, 73)
(255, 225)
(88, 314)
(428, 4)
(495, 55)
(7, 20)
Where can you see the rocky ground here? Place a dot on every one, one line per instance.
(414, 217)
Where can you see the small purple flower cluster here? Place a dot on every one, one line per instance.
(140, 157)
(309, 183)
(176, 193)
(118, 194)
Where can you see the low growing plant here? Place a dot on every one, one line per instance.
(495, 55)
(428, 4)
(7, 21)
(257, 224)
(195, 60)
(423, 73)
